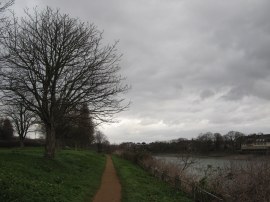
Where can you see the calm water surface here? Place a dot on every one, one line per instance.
(205, 164)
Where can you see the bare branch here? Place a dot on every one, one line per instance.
(54, 63)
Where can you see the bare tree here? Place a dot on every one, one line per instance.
(6, 129)
(100, 140)
(233, 138)
(3, 7)
(55, 63)
(186, 161)
(21, 118)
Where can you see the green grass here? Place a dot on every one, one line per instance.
(139, 186)
(72, 176)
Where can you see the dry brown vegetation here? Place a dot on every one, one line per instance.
(248, 182)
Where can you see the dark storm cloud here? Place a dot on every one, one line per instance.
(193, 65)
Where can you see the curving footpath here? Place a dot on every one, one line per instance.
(110, 189)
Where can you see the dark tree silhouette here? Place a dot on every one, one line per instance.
(7, 129)
(21, 118)
(54, 63)
(2, 136)
(233, 139)
(85, 126)
(100, 140)
(76, 129)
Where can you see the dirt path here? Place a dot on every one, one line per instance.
(110, 189)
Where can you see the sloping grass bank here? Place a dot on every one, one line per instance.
(72, 176)
(138, 185)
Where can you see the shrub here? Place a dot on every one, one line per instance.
(246, 183)
(135, 157)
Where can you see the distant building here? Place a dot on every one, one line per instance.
(256, 143)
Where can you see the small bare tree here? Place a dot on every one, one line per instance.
(21, 118)
(100, 140)
(185, 161)
(55, 63)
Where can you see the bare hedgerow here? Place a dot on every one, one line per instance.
(170, 173)
(249, 182)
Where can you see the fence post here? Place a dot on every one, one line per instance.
(163, 175)
(194, 191)
(177, 183)
(155, 172)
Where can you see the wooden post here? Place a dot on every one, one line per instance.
(177, 182)
(194, 191)
(163, 176)
(155, 172)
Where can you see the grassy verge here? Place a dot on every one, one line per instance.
(138, 185)
(26, 176)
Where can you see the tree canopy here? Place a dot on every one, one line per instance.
(54, 63)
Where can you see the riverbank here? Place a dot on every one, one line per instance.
(233, 178)
(139, 185)
(224, 156)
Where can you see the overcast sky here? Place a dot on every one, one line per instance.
(194, 66)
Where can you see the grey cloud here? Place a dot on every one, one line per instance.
(206, 94)
(179, 52)
(236, 93)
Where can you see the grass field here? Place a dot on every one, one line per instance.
(139, 186)
(26, 176)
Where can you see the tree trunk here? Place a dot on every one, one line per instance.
(50, 142)
(99, 146)
(21, 143)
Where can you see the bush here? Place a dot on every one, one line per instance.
(27, 142)
(135, 157)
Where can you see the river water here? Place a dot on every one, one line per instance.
(202, 165)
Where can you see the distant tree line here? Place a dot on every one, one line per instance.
(205, 143)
